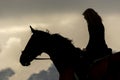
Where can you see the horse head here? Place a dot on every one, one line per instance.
(35, 46)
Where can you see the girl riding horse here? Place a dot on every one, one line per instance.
(97, 47)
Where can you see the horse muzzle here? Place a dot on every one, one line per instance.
(25, 64)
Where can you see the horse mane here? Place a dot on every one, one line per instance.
(54, 37)
(61, 38)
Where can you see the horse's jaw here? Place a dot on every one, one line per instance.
(24, 63)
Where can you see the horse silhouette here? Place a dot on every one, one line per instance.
(68, 59)
(61, 51)
(95, 63)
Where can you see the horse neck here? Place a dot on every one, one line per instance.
(52, 56)
(49, 49)
(51, 52)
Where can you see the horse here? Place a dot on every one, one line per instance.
(68, 59)
(61, 51)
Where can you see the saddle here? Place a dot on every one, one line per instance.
(97, 57)
(87, 63)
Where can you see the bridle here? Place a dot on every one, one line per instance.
(42, 58)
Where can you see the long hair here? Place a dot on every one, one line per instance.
(92, 16)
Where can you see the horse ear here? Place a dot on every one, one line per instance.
(32, 30)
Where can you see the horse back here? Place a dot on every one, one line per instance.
(113, 71)
(105, 68)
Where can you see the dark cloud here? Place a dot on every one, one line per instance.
(23, 7)
(50, 74)
(6, 74)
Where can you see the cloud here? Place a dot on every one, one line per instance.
(50, 74)
(59, 16)
(14, 34)
(6, 74)
(9, 53)
(12, 42)
(10, 8)
(26, 12)
(37, 6)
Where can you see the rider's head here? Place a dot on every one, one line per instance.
(91, 16)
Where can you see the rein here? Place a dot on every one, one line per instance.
(42, 58)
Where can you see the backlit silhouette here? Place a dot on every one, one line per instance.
(61, 51)
(95, 63)
(67, 58)
(97, 46)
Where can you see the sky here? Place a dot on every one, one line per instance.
(58, 16)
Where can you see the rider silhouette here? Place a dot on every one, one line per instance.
(97, 47)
